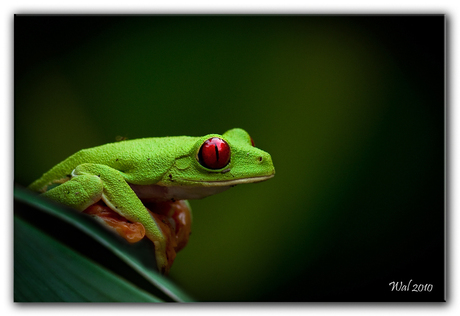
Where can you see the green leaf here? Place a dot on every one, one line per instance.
(48, 271)
(139, 256)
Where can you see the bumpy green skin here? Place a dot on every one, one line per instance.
(104, 172)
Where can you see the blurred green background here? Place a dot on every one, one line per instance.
(351, 108)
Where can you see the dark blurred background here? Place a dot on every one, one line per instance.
(351, 108)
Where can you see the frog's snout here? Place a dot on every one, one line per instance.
(264, 160)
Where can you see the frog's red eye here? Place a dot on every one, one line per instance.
(214, 153)
(252, 142)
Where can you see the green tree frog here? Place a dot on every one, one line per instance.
(147, 181)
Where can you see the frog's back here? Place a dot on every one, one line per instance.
(123, 156)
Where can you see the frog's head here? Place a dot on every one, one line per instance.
(220, 161)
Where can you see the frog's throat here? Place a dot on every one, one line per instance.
(197, 190)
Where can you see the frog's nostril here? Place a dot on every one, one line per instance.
(260, 159)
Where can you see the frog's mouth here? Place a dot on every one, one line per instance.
(230, 182)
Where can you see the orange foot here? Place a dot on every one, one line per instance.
(173, 218)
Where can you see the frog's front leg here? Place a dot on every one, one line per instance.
(93, 182)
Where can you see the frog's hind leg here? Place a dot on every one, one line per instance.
(79, 192)
(93, 182)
